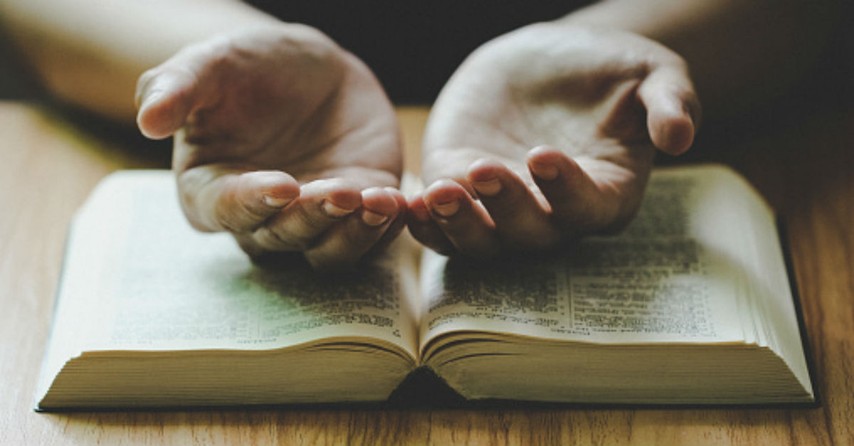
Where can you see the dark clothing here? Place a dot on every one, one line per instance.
(414, 46)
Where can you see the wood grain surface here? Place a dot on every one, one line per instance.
(49, 163)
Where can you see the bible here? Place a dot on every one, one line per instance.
(690, 304)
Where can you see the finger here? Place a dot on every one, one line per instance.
(673, 110)
(321, 204)
(397, 224)
(165, 96)
(520, 219)
(249, 243)
(577, 203)
(422, 226)
(450, 164)
(348, 241)
(464, 223)
(220, 197)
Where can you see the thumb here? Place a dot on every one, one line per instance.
(672, 108)
(217, 197)
(165, 96)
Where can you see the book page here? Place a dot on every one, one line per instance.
(775, 315)
(670, 277)
(161, 285)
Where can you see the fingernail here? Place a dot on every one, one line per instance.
(446, 209)
(420, 213)
(372, 218)
(276, 202)
(333, 210)
(487, 188)
(546, 172)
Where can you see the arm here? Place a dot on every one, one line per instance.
(91, 53)
(738, 52)
(271, 139)
(547, 134)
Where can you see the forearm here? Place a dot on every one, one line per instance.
(91, 53)
(739, 51)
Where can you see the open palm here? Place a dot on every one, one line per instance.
(547, 134)
(283, 139)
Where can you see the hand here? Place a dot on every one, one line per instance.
(283, 139)
(547, 134)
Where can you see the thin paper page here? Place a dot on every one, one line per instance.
(170, 287)
(776, 305)
(665, 279)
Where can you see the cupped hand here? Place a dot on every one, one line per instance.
(547, 134)
(282, 138)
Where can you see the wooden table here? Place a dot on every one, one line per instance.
(48, 166)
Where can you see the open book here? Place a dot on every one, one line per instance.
(691, 304)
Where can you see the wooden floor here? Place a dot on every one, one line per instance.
(48, 164)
